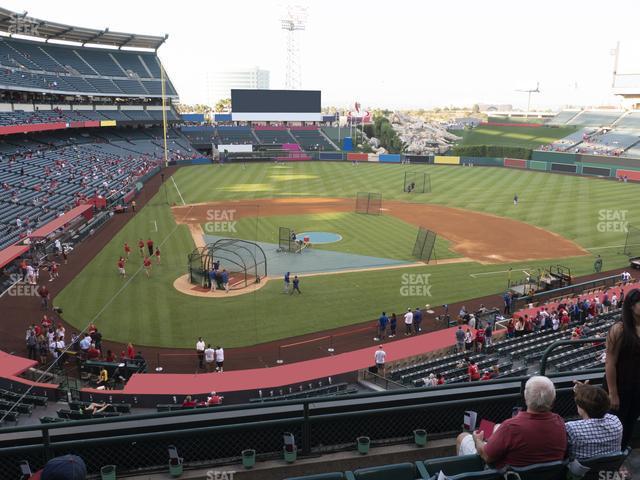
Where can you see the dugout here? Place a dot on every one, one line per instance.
(245, 262)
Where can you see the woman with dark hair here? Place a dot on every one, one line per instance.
(623, 358)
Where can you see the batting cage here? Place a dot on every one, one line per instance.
(369, 203)
(424, 247)
(417, 182)
(244, 261)
(632, 242)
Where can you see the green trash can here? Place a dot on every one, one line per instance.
(290, 453)
(363, 445)
(175, 467)
(420, 437)
(108, 472)
(248, 458)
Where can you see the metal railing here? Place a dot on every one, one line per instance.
(136, 442)
(562, 343)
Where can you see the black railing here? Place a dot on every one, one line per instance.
(138, 442)
(562, 343)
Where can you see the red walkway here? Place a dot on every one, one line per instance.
(265, 378)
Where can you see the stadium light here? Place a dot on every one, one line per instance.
(294, 20)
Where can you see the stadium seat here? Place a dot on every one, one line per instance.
(542, 471)
(398, 471)
(320, 476)
(452, 465)
(604, 463)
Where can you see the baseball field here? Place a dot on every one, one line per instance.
(560, 219)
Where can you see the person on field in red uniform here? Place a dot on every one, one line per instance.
(157, 254)
(121, 269)
(150, 247)
(141, 247)
(147, 266)
(127, 249)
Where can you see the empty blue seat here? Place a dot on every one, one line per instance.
(320, 476)
(398, 471)
(452, 465)
(542, 471)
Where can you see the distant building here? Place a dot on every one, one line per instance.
(219, 84)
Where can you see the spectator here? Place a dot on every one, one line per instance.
(488, 335)
(380, 357)
(534, 436)
(219, 359)
(382, 326)
(131, 353)
(214, 399)
(93, 353)
(440, 379)
(209, 357)
(408, 322)
(45, 296)
(468, 340)
(94, 408)
(189, 402)
(417, 320)
(598, 432)
(200, 348)
(66, 467)
(460, 337)
(393, 325)
(622, 360)
(473, 371)
(103, 378)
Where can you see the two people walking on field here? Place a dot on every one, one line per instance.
(290, 285)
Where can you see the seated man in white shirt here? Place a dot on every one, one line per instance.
(598, 432)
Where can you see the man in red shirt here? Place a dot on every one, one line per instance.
(121, 269)
(534, 436)
(127, 249)
(150, 247)
(147, 266)
(214, 399)
(141, 247)
(474, 371)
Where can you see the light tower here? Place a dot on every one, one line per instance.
(529, 92)
(293, 21)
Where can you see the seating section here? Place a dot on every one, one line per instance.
(563, 117)
(42, 174)
(274, 137)
(312, 140)
(513, 356)
(21, 117)
(234, 136)
(597, 118)
(79, 69)
(302, 392)
(12, 411)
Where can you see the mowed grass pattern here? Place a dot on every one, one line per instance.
(151, 312)
(525, 137)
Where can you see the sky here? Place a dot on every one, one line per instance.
(398, 54)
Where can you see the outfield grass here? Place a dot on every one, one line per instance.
(525, 137)
(151, 312)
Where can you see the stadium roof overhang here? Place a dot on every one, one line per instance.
(14, 23)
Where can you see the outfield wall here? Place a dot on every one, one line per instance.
(558, 162)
